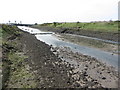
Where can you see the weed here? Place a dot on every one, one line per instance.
(111, 26)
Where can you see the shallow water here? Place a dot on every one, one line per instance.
(51, 39)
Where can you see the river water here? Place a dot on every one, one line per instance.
(51, 39)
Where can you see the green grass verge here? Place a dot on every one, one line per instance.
(0, 32)
(0, 36)
(111, 26)
(20, 77)
(16, 71)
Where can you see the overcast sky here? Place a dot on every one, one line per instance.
(43, 11)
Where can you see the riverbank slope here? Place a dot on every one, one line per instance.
(107, 30)
(30, 63)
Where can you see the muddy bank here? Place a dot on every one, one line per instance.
(0, 58)
(88, 71)
(29, 63)
(53, 69)
(90, 33)
(47, 67)
(50, 71)
(101, 45)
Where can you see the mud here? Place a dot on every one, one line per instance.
(88, 71)
(48, 69)
(101, 45)
(97, 34)
(52, 70)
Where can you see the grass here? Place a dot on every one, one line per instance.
(0, 57)
(16, 71)
(15, 59)
(0, 36)
(0, 32)
(19, 75)
(8, 30)
(106, 26)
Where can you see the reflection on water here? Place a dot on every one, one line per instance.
(51, 39)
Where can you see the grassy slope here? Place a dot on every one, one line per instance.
(0, 32)
(111, 26)
(0, 57)
(16, 71)
(0, 36)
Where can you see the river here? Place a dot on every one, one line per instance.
(50, 38)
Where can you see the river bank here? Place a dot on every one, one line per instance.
(103, 76)
(0, 57)
(43, 66)
(113, 36)
(104, 51)
(29, 64)
(89, 42)
(88, 70)
(82, 72)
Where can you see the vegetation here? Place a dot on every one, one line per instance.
(0, 33)
(16, 71)
(104, 26)
(0, 36)
(0, 57)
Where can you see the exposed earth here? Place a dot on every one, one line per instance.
(50, 69)
(97, 34)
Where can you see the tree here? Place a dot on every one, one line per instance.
(35, 23)
(54, 23)
(78, 22)
(9, 22)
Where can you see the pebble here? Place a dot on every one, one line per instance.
(104, 78)
(77, 85)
